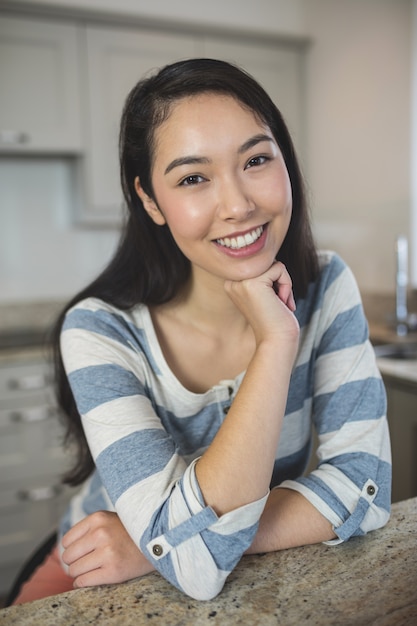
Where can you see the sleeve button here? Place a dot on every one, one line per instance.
(370, 490)
(157, 550)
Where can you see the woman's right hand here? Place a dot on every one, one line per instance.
(267, 302)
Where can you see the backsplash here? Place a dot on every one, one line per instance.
(380, 308)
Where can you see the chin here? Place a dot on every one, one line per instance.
(252, 272)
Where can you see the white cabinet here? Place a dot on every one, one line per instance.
(279, 67)
(32, 460)
(116, 59)
(39, 86)
(63, 85)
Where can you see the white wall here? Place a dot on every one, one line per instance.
(359, 115)
(42, 255)
(358, 150)
(413, 164)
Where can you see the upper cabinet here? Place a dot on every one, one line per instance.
(39, 86)
(116, 59)
(63, 87)
(279, 67)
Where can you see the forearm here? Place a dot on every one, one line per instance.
(289, 520)
(236, 469)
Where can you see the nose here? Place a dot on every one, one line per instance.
(234, 202)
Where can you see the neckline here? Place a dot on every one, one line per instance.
(167, 372)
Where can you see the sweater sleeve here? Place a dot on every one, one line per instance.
(153, 489)
(351, 486)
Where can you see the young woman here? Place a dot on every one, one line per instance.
(191, 379)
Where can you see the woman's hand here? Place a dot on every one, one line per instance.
(99, 550)
(267, 302)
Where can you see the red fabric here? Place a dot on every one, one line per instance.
(47, 580)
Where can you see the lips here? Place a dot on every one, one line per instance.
(241, 241)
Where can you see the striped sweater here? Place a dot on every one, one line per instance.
(146, 431)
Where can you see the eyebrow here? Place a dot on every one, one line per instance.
(253, 141)
(193, 160)
(187, 160)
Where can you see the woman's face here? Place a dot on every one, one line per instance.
(221, 186)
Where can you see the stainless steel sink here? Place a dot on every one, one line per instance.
(398, 351)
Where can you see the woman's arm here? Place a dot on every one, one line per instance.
(352, 484)
(171, 510)
(236, 468)
(99, 551)
(289, 520)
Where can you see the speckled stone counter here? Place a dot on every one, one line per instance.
(368, 580)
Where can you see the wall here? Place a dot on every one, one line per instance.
(42, 254)
(413, 164)
(359, 116)
(357, 157)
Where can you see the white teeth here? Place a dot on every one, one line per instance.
(242, 240)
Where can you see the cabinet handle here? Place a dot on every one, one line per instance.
(37, 494)
(36, 414)
(13, 137)
(28, 383)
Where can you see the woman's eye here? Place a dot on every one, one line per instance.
(194, 179)
(258, 160)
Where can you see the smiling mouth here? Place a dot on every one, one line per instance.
(241, 241)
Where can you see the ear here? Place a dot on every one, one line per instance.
(149, 204)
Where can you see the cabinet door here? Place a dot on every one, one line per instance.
(116, 60)
(32, 460)
(39, 93)
(26, 518)
(279, 67)
(402, 418)
(31, 431)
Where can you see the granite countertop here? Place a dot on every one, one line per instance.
(368, 580)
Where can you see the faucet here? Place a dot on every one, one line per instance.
(401, 311)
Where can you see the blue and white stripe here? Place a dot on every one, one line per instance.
(145, 431)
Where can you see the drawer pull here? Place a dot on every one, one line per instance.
(13, 137)
(29, 416)
(28, 383)
(37, 494)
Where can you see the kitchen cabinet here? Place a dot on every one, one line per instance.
(32, 460)
(40, 86)
(279, 67)
(116, 59)
(402, 419)
(64, 83)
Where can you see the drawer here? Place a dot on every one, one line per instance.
(31, 443)
(24, 522)
(25, 379)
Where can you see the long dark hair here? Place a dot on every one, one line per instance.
(148, 267)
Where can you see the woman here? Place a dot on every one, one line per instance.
(190, 377)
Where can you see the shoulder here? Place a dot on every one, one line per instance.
(331, 265)
(334, 289)
(94, 320)
(95, 315)
(334, 274)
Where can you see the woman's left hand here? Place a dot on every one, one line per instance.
(99, 550)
